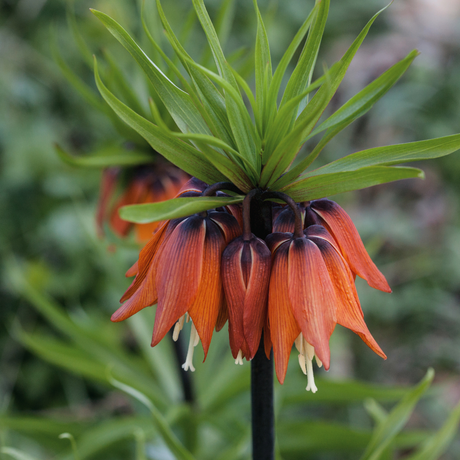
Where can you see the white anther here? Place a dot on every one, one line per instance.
(193, 342)
(318, 361)
(311, 378)
(306, 355)
(178, 327)
(239, 358)
(187, 317)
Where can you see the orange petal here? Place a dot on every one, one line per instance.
(312, 296)
(227, 223)
(205, 307)
(256, 295)
(283, 325)
(235, 292)
(223, 315)
(178, 278)
(146, 257)
(349, 313)
(339, 224)
(134, 194)
(274, 240)
(108, 183)
(267, 339)
(133, 270)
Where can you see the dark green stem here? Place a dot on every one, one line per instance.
(262, 413)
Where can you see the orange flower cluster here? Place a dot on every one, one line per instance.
(143, 184)
(294, 287)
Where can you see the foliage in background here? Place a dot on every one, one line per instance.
(417, 245)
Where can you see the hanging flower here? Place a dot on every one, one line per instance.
(312, 289)
(145, 184)
(180, 270)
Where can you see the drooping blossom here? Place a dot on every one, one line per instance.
(144, 184)
(292, 288)
(180, 270)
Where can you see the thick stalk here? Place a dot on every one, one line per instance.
(263, 421)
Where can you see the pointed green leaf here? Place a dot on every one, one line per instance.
(77, 36)
(359, 104)
(305, 122)
(286, 59)
(263, 67)
(315, 187)
(356, 107)
(393, 154)
(436, 445)
(301, 76)
(111, 155)
(178, 102)
(122, 84)
(243, 133)
(214, 104)
(223, 25)
(226, 166)
(396, 420)
(175, 208)
(183, 155)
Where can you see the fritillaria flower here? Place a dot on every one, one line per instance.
(180, 270)
(246, 273)
(143, 184)
(312, 289)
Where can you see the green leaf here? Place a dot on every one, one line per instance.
(288, 147)
(223, 25)
(225, 165)
(305, 122)
(393, 155)
(123, 85)
(263, 67)
(435, 445)
(315, 187)
(88, 94)
(356, 107)
(213, 101)
(177, 102)
(175, 208)
(183, 155)
(286, 59)
(359, 104)
(161, 424)
(111, 155)
(16, 454)
(242, 131)
(79, 40)
(301, 76)
(387, 430)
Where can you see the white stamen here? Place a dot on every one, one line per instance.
(187, 317)
(306, 355)
(194, 340)
(178, 327)
(311, 378)
(239, 358)
(310, 351)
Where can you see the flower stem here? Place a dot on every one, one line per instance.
(263, 420)
(298, 232)
(262, 413)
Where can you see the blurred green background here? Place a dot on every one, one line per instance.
(59, 283)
